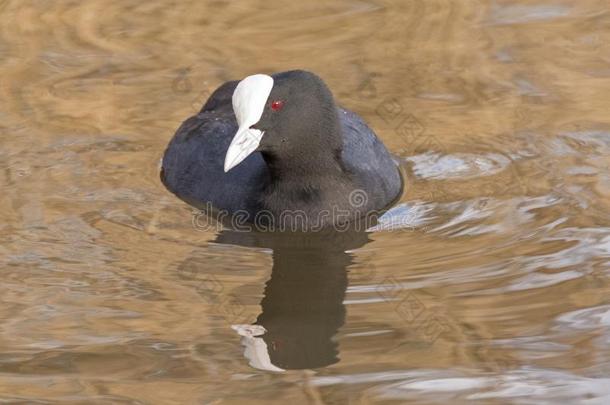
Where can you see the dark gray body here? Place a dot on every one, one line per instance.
(193, 168)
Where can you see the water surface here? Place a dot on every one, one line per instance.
(492, 286)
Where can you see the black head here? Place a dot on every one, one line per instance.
(289, 117)
(300, 117)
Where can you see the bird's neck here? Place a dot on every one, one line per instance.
(317, 157)
(310, 176)
(306, 183)
(306, 168)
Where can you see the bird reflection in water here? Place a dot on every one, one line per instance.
(302, 308)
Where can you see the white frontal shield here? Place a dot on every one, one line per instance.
(249, 99)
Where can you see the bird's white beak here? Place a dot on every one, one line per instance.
(249, 99)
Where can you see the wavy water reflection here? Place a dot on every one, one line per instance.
(488, 281)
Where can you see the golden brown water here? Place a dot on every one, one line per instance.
(497, 291)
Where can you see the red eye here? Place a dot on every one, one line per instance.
(277, 105)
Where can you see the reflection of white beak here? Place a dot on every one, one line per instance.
(249, 99)
(256, 350)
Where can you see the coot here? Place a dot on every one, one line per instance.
(278, 149)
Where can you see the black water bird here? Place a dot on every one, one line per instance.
(279, 147)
